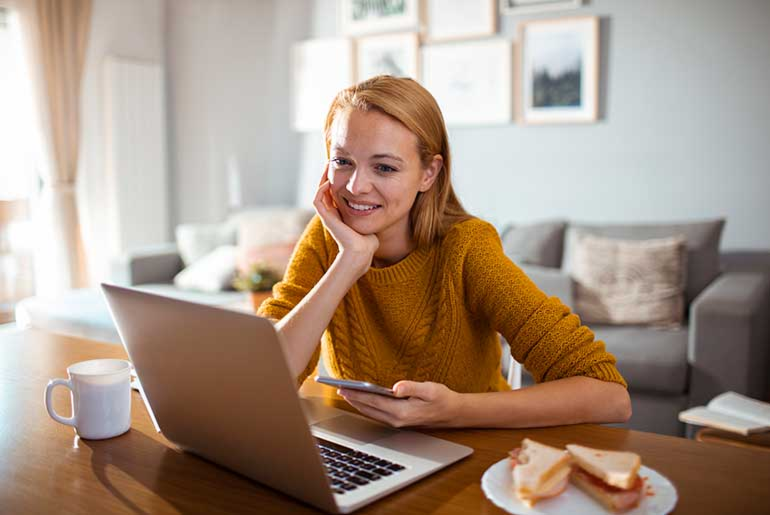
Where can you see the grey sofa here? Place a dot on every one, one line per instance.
(723, 345)
(84, 313)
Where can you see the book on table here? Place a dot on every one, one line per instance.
(732, 412)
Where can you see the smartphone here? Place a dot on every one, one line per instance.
(356, 385)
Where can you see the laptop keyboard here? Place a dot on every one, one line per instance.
(348, 469)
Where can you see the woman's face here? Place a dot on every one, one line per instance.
(376, 173)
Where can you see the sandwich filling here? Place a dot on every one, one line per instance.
(539, 471)
(610, 477)
(616, 468)
(617, 499)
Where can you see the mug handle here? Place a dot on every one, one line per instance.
(53, 383)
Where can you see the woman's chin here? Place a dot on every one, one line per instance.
(361, 226)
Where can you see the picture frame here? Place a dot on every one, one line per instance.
(363, 17)
(320, 69)
(518, 7)
(471, 81)
(453, 20)
(389, 54)
(557, 71)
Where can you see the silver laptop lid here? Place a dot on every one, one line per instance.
(219, 386)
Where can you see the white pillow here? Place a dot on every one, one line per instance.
(196, 240)
(213, 272)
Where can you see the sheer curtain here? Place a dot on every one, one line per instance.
(56, 33)
(19, 164)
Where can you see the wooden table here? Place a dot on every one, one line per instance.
(44, 468)
(759, 442)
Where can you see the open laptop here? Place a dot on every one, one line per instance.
(217, 384)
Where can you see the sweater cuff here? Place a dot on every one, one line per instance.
(605, 372)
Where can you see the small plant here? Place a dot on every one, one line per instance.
(259, 277)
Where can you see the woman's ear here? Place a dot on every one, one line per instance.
(430, 174)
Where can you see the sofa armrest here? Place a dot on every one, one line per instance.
(729, 337)
(552, 281)
(156, 264)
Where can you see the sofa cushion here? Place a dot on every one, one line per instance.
(650, 359)
(629, 282)
(222, 298)
(213, 272)
(268, 235)
(538, 244)
(702, 246)
(196, 240)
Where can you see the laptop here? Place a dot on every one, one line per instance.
(216, 383)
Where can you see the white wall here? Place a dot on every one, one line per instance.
(128, 29)
(684, 135)
(228, 99)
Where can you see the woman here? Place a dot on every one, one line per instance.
(404, 288)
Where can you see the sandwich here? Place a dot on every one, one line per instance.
(539, 471)
(610, 477)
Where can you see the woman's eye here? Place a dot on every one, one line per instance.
(338, 161)
(385, 168)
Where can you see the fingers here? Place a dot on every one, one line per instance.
(322, 201)
(325, 175)
(371, 399)
(374, 413)
(412, 389)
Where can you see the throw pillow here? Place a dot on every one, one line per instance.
(269, 235)
(535, 244)
(630, 282)
(275, 256)
(196, 240)
(213, 272)
(703, 260)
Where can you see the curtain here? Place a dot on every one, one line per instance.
(56, 37)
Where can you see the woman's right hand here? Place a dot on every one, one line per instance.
(356, 248)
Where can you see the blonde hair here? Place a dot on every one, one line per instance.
(437, 209)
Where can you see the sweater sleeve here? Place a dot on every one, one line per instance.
(307, 265)
(544, 335)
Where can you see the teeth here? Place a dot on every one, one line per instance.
(361, 207)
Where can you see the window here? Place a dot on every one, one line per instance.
(19, 159)
(19, 142)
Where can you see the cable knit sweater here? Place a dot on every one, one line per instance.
(435, 315)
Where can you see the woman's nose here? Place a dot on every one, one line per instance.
(359, 182)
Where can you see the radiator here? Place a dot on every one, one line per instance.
(136, 164)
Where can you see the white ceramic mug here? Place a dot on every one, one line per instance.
(101, 398)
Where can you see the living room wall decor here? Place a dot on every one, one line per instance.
(389, 54)
(557, 70)
(471, 81)
(516, 7)
(448, 20)
(358, 17)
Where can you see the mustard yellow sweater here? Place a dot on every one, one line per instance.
(435, 315)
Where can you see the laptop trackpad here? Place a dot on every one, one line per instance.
(359, 430)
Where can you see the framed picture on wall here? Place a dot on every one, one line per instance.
(557, 71)
(359, 17)
(320, 69)
(390, 54)
(472, 81)
(448, 20)
(515, 7)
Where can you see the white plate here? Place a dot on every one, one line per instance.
(497, 485)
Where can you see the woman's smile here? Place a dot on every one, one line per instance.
(357, 208)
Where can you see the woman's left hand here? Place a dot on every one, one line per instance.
(418, 404)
